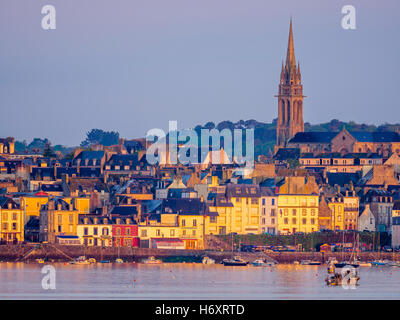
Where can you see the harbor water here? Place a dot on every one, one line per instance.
(191, 281)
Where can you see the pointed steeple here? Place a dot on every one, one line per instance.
(290, 59)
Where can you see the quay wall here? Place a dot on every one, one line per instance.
(29, 252)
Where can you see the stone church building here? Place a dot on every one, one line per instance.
(290, 126)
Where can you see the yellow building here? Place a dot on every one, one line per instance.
(11, 221)
(81, 204)
(57, 218)
(31, 205)
(95, 231)
(193, 228)
(351, 209)
(223, 221)
(336, 205)
(298, 203)
(297, 213)
(167, 227)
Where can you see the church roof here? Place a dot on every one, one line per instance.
(313, 137)
(360, 136)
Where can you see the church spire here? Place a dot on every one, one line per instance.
(290, 59)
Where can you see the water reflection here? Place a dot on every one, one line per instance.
(191, 281)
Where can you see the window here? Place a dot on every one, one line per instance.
(5, 226)
(172, 232)
(105, 232)
(95, 231)
(272, 212)
(339, 218)
(304, 221)
(85, 231)
(5, 216)
(263, 221)
(118, 231)
(294, 221)
(71, 218)
(313, 212)
(194, 232)
(286, 212)
(128, 231)
(254, 201)
(263, 201)
(183, 222)
(272, 221)
(313, 221)
(213, 219)
(158, 232)
(14, 217)
(14, 226)
(286, 221)
(304, 212)
(194, 222)
(294, 212)
(59, 217)
(272, 201)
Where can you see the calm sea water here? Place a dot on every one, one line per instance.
(191, 281)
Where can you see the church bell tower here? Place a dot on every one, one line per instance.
(290, 98)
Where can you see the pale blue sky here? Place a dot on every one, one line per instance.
(132, 65)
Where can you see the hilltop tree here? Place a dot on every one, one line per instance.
(98, 136)
(48, 150)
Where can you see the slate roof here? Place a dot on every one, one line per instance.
(183, 206)
(342, 178)
(124, 210)
(287, 153)
(376, 136)
(313, 137)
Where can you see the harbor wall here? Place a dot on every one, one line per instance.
(26, 253)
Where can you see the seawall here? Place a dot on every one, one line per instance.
(29, 252)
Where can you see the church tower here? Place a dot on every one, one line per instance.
(290, 98)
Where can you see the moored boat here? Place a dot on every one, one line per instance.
(344, 277)
(207, 260)
(380, 263)
(262, 263)
(152, 260)
(235, 261)
(310, 263)
(119, 260)
(80, 261)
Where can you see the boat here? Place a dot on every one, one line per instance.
(39, 260)
(92, 260)
(380, 263)
(349, 277)
(235, 261)
(310, 263)
(80, 261)
(207, 260)
(365, 264)
(296, 263)
(394, 264)
(105, 261)
(262, 263)
(347, 263)
(332, 260)
(119, 260)
(152, 260)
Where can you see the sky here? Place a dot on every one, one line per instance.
(133, 65)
